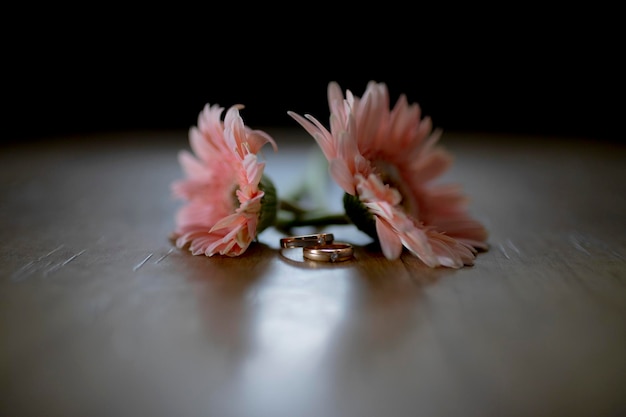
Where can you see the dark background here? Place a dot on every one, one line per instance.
(75, 80)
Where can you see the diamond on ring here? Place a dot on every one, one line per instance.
(332, 252)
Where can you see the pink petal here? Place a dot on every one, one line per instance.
(369, 143)
(342, 175)
(388, 239)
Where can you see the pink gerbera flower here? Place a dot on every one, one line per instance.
(228, 199)
(386, 161)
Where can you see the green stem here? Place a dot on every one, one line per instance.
(290, 206)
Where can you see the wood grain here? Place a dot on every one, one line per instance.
(101, 316)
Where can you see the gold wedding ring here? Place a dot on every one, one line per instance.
(333, 252)
(306, 240)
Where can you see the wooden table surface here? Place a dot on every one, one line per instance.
(101, 316)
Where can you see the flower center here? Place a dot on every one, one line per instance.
(391, 176)
(234, 197)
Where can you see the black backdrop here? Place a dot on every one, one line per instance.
(65, 82)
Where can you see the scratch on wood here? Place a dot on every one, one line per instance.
(577, 244)
(61, 264)
(19, 274)
(164, 256)
(32, 265)
(504, 251)
(71, 258)
(51, 269)
(140, 264)
(511, 245)
(51, 252)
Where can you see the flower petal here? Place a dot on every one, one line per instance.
(224, 161)
(389, 160)
(341, 174)
(390, 243)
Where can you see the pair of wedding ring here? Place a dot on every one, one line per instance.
(319, 247)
